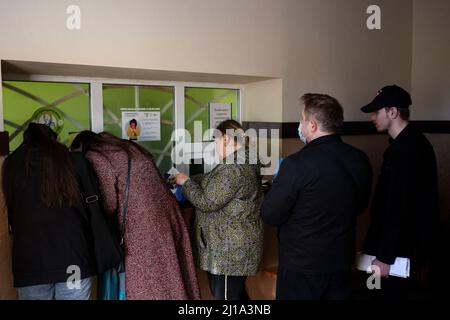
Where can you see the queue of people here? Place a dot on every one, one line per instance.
(314, 201)
(320, 190)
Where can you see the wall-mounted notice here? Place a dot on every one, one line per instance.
(142, 125)
(218, 112)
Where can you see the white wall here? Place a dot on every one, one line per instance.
(231, 37)
(332, 51)
(311, 45)
(263, 101)
(1, 103)
(431, 60)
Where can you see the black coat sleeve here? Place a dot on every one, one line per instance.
(396, 211)
(365, 184)
(282, 196)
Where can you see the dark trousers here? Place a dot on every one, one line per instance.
(233, 285)
(392, 288)
(293, 285)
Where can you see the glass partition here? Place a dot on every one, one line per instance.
(65, 107)
(200, 102)
(144, 114)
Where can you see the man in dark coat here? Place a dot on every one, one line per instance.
(315, 200)
(404, 214)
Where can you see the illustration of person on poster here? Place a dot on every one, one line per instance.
(133, 131)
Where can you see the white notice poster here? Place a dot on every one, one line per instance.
(141, 125)
(218, 112)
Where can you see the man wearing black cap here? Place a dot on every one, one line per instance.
(404, 210)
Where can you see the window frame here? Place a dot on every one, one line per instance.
(96, 95)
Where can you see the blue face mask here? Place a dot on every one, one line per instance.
(301, 136)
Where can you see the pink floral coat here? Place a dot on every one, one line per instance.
(159, 263)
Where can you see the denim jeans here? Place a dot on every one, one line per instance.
(57, 291)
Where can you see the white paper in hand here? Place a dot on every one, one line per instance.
(400, 268)
(173, 171)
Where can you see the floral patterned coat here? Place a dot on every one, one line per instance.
(228, 229)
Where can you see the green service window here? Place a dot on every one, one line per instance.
(65, 107)
(144, 114)
(208, 105)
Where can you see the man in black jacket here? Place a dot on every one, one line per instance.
(314, 201)
(404, 212)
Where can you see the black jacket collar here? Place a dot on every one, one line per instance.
(404, 134)
(324, 139)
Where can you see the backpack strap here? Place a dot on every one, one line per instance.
(125, 206)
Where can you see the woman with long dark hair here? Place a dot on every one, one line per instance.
(158, 257)
(52, 252)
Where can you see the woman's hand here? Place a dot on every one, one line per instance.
(180, 179)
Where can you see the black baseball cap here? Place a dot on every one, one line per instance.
(387, 97)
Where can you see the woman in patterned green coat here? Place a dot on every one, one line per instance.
(228, 234)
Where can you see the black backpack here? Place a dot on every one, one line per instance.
(105, 232)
